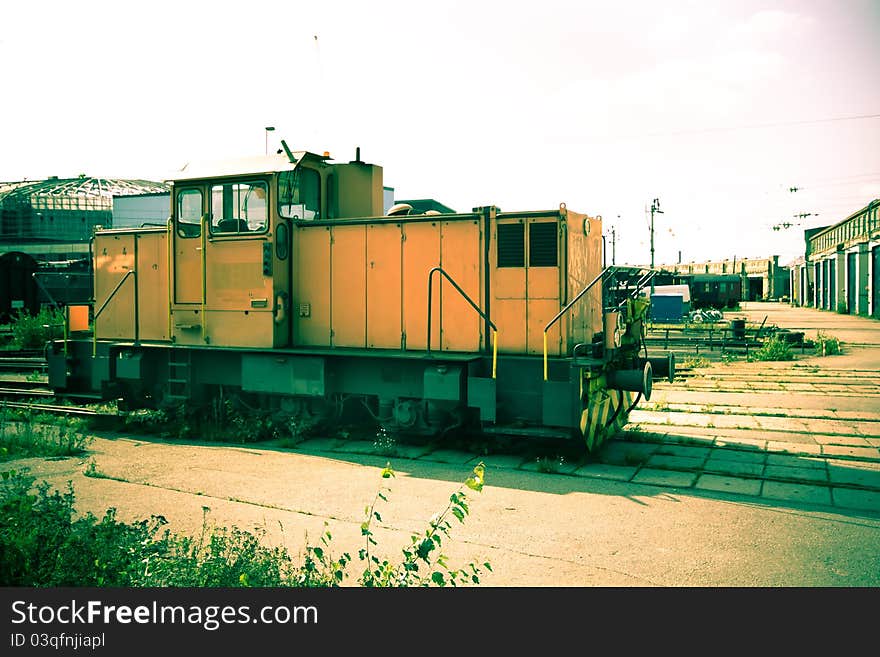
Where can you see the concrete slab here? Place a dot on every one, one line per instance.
(666, 461)
(447, 456)
(627, 453)
(856, 499)
(606, 471)
(549, 465)
(322, 445)
(672, 478)
(794, 448)
(790, 473)
(723, 484)
(795, 461)
(720, 454)
(839, 439)
(690, 451)
(741, 443)
(778, 490)
(855, 452)
(506, 461)
(853, 475)
(727, 467)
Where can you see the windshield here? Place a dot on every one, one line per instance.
(299, 194)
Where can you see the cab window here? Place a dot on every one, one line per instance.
(189, 212)
(299, 194)
(239, 208)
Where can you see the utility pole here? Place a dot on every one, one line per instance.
(655, 209)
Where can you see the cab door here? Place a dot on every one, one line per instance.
(189, 209)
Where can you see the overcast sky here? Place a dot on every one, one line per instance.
(717, 109)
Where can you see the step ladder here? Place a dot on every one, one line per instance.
(179, 375)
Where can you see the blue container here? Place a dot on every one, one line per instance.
(667, 307)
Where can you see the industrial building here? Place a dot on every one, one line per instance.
(759, 278)
(54, 219)
(840, 270)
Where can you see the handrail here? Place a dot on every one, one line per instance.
(646, 278)
(640, 283)
(170, 249)
(568, 306)
(204, 263)
(473, 305)
(130, 272)
(45, 291)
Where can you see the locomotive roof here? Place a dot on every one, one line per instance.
(258, 164)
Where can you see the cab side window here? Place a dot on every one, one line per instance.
(299, 194)
(189, 212)
(239, 207)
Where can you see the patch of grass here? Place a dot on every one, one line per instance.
(24, 434)
(45, 543)
(93, 472)
(773, 349)
(689, 362)
(550, 464)
(33, 331)
(826, 345)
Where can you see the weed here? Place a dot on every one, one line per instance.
(826, 345)
(24, 434)
(690, 362)
(385, 443)
(550, 465)
(45, 543)
(93, 472)
(773, 348)
(33, 331)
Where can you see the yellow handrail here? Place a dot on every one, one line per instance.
(440, 271)
(170, 277)
(204, 277)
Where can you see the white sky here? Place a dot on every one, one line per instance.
(715, 108)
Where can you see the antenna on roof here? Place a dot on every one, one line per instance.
(287, 150)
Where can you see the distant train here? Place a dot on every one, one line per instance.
(279, 282)
(27, 284)
(707, 290)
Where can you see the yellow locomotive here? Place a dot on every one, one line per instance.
(280, 280)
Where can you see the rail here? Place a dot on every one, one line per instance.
(130, 272)
(646, 278)
(473, 305)
(608, 271)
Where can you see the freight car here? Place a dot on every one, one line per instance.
(64, 282)
(28, 284)
(278, 281)
(18, 290)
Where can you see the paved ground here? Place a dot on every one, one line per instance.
(741, 474)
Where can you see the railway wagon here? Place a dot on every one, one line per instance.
(716, 290)
(18, 290)
(279, 281)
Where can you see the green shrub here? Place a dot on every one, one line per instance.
(45, 544)
(33, 331)
(826, 345)
(774, 348)
(24, 434)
